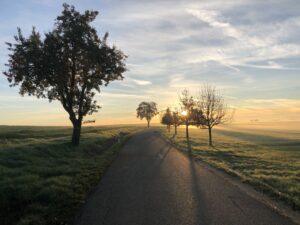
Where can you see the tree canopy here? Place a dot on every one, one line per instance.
(147, 110)
(167, 118)
(68, 64)
(187, 103)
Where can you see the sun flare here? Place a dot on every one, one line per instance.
(184, 113)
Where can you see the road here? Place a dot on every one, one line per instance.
(152, 183)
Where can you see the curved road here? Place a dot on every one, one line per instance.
(152, 183)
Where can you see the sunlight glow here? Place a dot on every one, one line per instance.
(256, 69)
(184, 113)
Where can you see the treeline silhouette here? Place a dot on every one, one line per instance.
(205, 110)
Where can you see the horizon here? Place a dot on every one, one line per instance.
(247, 49)
(277, 125)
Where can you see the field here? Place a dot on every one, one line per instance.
(43, 179)
(266, 156)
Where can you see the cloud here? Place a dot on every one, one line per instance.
(246, 48)
(268, 110)
(277, 102)
(141, 82)
(119, 95)
(212, 18)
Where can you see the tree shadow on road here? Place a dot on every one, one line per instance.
(199, 200)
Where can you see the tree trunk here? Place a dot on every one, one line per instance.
(76, 132)
(187, 136)
(187, 130)
(175, 129)
(169, 128)
(148, 121)
(210, 136)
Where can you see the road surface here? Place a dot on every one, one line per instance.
(152, 183)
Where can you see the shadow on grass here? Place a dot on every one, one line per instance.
(264, 140)
(275, 178)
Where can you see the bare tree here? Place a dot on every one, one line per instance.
(147, 110)
(214, 110)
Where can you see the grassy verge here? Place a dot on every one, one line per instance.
(269, 160)
(44, 180)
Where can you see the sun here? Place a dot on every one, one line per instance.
(184, 113)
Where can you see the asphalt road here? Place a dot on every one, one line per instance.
(152, 183)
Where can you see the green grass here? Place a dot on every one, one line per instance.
(267, 158)
(43, 179)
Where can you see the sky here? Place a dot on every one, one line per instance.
(248, 49)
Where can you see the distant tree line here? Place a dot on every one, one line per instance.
(206, 110)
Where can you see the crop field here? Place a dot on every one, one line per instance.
(266, 156)
(43, 179)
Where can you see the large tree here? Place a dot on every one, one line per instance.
(68, 64)
(147, 110)
(214, 110)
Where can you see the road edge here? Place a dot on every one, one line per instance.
(116, 148)
(277, 206)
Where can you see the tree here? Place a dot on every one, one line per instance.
(167, 119)
(147, 110)
(69, 64)
(176, 121)
(187, 103)
(214, 110)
